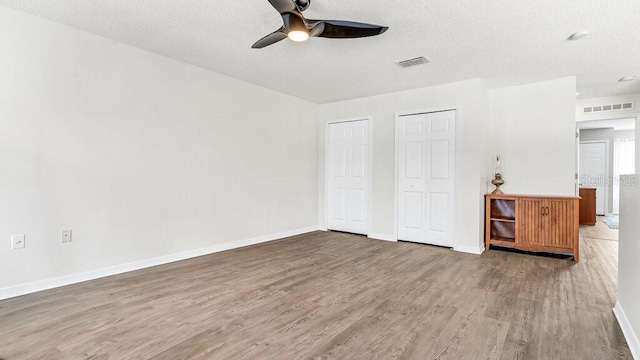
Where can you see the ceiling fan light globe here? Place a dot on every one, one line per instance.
(298, 35)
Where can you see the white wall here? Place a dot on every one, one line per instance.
(470, 97)
(532, 127)
(624, 134)
(140, 155)
(609, 136)
(627, 309)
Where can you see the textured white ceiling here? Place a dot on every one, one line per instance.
(507, 41)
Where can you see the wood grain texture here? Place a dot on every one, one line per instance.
(588, 206)
(541, 223)
(330, 296)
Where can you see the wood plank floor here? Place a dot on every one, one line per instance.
(331, 296)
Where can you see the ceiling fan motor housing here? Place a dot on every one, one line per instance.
(302, 4)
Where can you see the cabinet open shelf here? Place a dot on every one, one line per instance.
(503, 230)
(503, 209)
(503, 219)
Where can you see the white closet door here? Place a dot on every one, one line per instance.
(348, 176)
(441, 151)
(426, 178)
(411, 134)
(593, 170)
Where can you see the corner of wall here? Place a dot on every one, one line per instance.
(627, 330)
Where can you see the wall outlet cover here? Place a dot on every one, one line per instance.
(66, 236)
(17, 242)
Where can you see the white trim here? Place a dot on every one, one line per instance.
(369, 210)
(627, 330)
(28, 288)
(469, 249)
(383, 237)
(607, 153)
(606, 118)
(456, 186)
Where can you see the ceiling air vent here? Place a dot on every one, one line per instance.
(607, 108)
(413, 62)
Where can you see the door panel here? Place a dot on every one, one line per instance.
(531, 227)
(339, 161)
(338, 201)
(441, 177)
(358, 161)
(426, 177)
(411, 181)
(440, 159)
(438, 210)
(414, 164)
(357, 206)
(559, 229)
(439, 125)
(593, 171)
(348, 176)
(413, 221)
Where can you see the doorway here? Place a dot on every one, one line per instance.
(619, 137)
(426, 176)
(348, 175)
(594, 170)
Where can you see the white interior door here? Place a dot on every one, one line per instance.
(593, 171)
(426, 177)
(348, 176)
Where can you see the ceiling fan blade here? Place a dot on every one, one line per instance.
(284, 6)
(270, 39)
(348, 29)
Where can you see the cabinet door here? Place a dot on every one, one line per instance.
(560, 230)
(531, 227)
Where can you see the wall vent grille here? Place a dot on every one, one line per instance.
(413, 62)
(611, 107)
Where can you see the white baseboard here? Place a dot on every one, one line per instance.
(28, 288)
(384, 237)
(477, 250)
(627, 330)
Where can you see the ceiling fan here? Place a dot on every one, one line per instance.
(297, 28)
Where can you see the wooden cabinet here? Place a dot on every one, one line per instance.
(533, 223)
(588, 206)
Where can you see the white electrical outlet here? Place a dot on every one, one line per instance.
(66, 236)
(17, 242)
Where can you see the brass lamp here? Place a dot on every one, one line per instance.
(497, 181)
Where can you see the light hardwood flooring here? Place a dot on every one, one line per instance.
(331, 296)
(599, 231)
